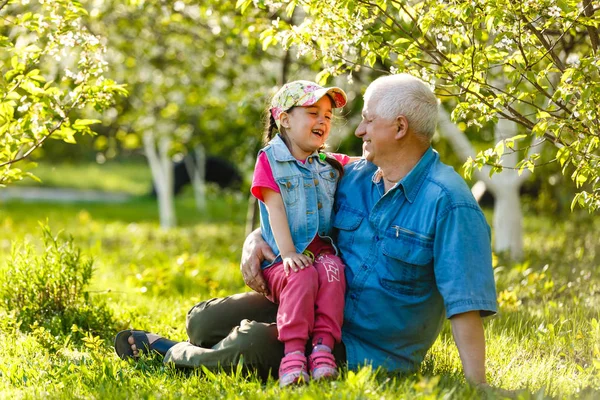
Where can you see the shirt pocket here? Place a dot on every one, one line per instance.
(408, 264)
(346, 221)
(290, 187)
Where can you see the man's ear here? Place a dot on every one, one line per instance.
(402, 126)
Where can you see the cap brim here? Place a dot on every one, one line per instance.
(335, 93)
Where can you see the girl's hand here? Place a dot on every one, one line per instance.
(294, 262)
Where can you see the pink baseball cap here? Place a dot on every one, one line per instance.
(303, 94)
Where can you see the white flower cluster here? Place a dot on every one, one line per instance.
(554, 12)
(505, 43)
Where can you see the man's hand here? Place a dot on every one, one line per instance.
(255, 250)
(294, 261)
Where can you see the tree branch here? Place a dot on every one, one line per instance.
(35, 146)
(557, 61)
(588, 11)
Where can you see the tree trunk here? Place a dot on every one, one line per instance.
(196, 169)
(505, 185)
(161, 166)
(508, 221)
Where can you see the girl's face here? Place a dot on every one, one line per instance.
(307, 128)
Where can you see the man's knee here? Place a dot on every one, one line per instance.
(203, 324)
(210, 321)
(258, 343)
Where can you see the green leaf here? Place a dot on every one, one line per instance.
(370, 59)
(322, 77)
(83, 122)
(499, 149)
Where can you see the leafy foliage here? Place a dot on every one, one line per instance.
(51, 66)
(196, 73)
(535, 63)
(47, 292)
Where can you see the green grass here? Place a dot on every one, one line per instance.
(545, 342)
(127, 177)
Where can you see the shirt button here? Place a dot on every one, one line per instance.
(332, 174)
(377, 238)
(353, 296)
(310, 160)
(319, 205)
(316, 182)
(288, 184)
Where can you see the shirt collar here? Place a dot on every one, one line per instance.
(413, 181)
(282, 153)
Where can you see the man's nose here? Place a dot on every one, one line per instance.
(360, 130)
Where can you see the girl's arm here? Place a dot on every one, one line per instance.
(281, 231)
(352, 159)
(344, 159)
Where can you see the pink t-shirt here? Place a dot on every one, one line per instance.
(263, 174)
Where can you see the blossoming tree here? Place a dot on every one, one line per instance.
(197, 76)
(533, 65)
(52, 66)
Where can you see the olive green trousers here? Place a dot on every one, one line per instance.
(225, 332)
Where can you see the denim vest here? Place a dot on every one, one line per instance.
(307, 190)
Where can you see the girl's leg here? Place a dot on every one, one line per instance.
(329, 311)
(296, 294)
(329, 314)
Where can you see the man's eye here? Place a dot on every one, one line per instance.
(328, 117)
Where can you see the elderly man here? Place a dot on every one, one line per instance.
(416, 247)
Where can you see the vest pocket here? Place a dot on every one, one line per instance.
(408, 266)
(329, 178)
(289, 186)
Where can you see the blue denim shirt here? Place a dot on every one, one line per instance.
(307, 189)
(414, 255)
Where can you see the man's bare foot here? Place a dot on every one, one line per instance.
(151, 339)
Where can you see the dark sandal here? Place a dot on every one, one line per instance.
(140, 338)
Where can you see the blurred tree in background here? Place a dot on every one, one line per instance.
(52, 65)
(534, 64)
(528, 73)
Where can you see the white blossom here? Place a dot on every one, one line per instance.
(554, 11)
(179, 6)
(23, 107)
(505, 43)
(573, 59)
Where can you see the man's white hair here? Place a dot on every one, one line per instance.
(404, 94)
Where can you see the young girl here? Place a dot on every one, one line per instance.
(295, 182)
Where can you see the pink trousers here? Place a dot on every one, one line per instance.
(311, 302)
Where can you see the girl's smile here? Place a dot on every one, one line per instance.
(307, 128)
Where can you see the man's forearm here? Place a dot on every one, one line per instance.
(467, 329)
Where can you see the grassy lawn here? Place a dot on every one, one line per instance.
(545, 342)
(127, 177)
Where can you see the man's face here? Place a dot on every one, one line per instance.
(376, 132)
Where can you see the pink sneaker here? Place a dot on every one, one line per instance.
(292, 370)
(322, 365)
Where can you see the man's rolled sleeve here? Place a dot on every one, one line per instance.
(463, 261)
